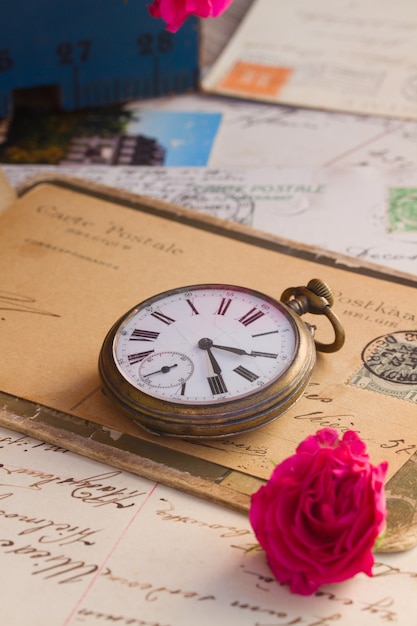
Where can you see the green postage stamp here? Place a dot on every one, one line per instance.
(402, 209)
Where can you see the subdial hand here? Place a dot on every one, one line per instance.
(164, 370)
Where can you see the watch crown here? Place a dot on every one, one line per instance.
(316, 298)
(322, 289)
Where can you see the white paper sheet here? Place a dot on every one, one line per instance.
(88, 544)
(347, 56)
(262, 135)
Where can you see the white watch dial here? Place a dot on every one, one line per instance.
(205, 344)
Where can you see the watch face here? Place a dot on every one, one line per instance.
(205, 344)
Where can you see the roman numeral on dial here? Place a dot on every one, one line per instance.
(138, 357)
(242, 371)
(217, 385)
(192, 307)
(250, 317)
(162, 318)
(224, 305)
(143, 335)
(267, 355)
(269, 332)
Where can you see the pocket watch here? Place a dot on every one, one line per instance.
(214, 360)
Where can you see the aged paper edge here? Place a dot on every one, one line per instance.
(199, 478)
(219, 226)
(204, 479)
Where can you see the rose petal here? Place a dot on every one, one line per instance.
(175, 12)
(320, 513)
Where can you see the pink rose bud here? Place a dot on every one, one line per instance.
(320, 513)
(175, 12)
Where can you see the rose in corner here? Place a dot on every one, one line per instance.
(320, 513)
(175, 12)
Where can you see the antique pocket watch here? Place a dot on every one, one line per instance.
(214, 360)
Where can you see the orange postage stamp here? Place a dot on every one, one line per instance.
(255, 79)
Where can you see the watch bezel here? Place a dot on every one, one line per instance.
(224, 416)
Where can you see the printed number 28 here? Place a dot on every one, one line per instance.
(148, 43)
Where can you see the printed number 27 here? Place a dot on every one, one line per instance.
(69, 53)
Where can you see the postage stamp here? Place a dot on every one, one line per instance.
(390, 365)
(257, 79)
(402, 209)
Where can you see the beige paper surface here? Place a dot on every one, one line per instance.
(357, 57)
(73, 262)
(7, 193)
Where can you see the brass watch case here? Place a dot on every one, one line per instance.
(223, 418)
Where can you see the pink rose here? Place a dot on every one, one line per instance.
(175, 12)
(320, 513)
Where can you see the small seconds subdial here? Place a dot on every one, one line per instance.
(165, 370)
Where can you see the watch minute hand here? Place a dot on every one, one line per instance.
(231, 349)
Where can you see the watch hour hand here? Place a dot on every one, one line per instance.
(216, 367)
(206, 344)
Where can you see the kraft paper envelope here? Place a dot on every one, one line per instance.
(75, 257)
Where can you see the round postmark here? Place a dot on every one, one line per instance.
(393, 357)
(218, 203)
